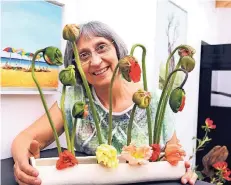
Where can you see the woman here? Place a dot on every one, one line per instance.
(99, 51)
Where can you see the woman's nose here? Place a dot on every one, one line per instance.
(95, 59)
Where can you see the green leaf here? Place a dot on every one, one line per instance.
(200, 175)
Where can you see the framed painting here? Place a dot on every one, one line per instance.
(171, 31)
(28, 26)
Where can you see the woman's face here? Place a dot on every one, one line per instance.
(99, 59)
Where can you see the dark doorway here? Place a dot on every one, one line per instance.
(215, 97)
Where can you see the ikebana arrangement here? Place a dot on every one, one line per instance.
(109, 165)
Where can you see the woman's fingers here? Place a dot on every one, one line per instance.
(28, 169)
(193, 178)
(189, 177)
(24, 178)
(186, 177)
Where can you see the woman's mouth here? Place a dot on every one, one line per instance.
(100, 72)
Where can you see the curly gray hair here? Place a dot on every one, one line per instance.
(98, 29)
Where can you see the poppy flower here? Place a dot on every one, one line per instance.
(130, 69)
(174, 153)
(66, 159)
(136, 155)
(226, 174)
(107, 155)
(141, 98)
(221, 166)
(67, 76)
(209, 123)
(80, 110)
(71, 32)
(187, 60)
(155, 152)
(53, 56)
(186, 51)
(177, 99)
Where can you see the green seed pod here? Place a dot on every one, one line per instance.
(177, 99)
(53, 56)
(79, 110)
(187, 63)
(67, 76)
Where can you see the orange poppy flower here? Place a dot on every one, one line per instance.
(66, 159)
(174, 154)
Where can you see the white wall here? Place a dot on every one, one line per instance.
(134, 21)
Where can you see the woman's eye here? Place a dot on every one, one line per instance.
(101, 47)
(84, 55)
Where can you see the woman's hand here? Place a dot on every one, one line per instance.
(190, 176)
(24, 173)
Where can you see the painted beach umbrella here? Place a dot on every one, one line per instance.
(20, 52)
(29, 55)
(9, 50)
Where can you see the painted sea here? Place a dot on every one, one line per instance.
(16, 72)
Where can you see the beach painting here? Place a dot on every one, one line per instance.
(28, 26)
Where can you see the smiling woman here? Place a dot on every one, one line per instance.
(99, 51)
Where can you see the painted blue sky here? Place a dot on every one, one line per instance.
(30, 25)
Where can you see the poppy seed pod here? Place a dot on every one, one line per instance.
(71, 32)
(177, 99)
(141, 98)
(130, 68)
(67, 76)
(79, 110)
(187, 63)
(53, 56)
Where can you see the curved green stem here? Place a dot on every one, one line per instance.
(88, 91)
(145, 88)
(129, 133)
(64, 118)
(110, 105)
(44, 102)
(163, 102)
(73, 136)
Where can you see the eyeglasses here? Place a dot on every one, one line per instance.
(101, 50)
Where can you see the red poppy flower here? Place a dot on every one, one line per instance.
(135, 71)
(226, 174)
(130, 68)
(221, 166)
(182, 103)
(66, 159)
(155, 152)
(209, 123)
(184, 52)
